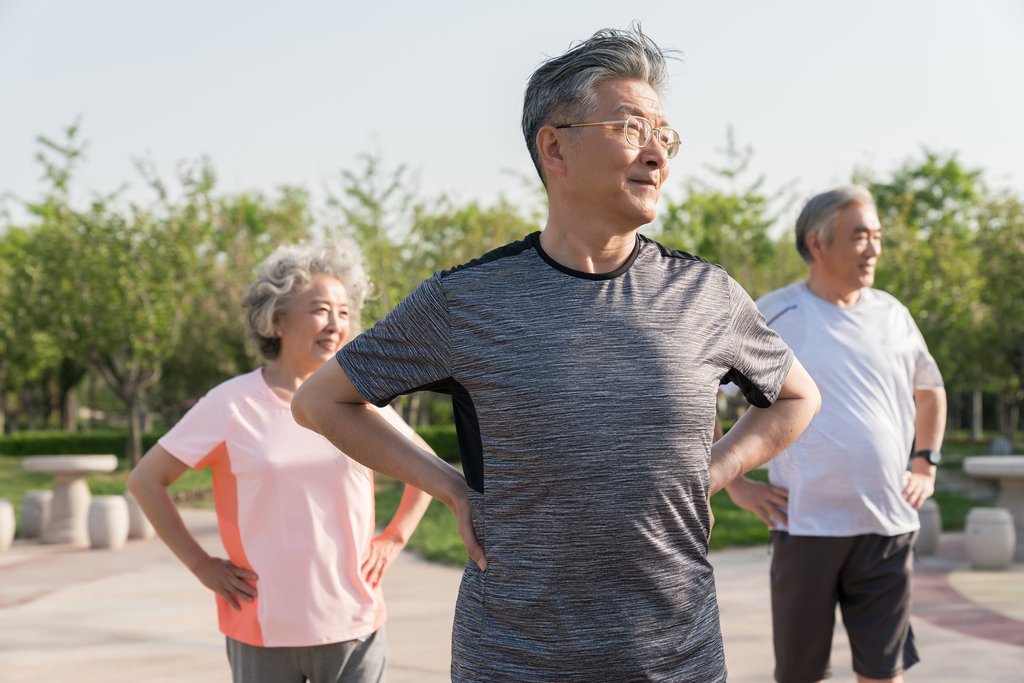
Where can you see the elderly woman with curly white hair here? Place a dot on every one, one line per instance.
(299, 597)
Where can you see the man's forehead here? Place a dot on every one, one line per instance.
(632, 98)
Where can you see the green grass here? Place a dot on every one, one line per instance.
(735, 526)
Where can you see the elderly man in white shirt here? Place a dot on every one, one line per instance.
(841, 501)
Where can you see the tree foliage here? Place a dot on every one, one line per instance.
(732, 225)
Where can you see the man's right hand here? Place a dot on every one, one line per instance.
(764, 500)
(460, 507)
(226, 580)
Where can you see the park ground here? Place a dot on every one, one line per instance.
(137, 614)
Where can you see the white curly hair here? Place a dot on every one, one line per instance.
(288, 272)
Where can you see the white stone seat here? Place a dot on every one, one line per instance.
(108, 522)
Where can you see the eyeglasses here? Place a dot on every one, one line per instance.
(638, 132)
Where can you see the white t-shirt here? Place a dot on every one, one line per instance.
(845, 472)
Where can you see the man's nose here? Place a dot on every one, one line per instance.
(655, 155)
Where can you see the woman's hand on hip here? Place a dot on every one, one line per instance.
(227, 580)
(382, 552)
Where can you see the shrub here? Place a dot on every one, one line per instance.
(55, 442)
(443, 440)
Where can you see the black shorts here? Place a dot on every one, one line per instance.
(869, 576)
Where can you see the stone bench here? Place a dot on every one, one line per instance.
(70, 505)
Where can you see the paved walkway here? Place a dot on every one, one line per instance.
(138, 615)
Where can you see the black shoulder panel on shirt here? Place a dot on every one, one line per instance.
(511, 249)
(672, 253)
(750, 390)
(467, 429)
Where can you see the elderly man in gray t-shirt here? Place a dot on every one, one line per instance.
(841, 500)
(583, 363)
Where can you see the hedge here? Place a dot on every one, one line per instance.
(440, 437)
(443, 440)
(112, 442)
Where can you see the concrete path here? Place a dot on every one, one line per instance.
(138, 615)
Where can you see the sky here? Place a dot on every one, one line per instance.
(291, 93)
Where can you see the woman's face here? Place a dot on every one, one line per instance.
(315, 324)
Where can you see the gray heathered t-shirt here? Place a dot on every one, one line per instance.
(585, 407)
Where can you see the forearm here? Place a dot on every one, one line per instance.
(156, 502)
(762, 433)
(930, 424)
(758, 436)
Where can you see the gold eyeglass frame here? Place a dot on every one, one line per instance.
(669, 151)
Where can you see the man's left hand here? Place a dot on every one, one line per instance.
(918, 488)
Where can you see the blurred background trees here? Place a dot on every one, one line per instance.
(117, 312)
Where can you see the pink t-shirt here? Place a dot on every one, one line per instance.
(292, 508)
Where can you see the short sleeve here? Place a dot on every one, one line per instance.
(761, 359)
(926, 370)
(201, 430)
(409, 350)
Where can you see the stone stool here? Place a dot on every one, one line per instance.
(931, 528)
(138, 524)
(35, 512)
(990, 538)
(7, 524)
(108, 522)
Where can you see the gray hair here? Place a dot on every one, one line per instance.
(819, 214)
(288, 272)
(563, 89)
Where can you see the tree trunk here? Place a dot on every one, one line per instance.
(1014, 421)
(5, 365)
(414, 410)
(69, 411)
(976, 416)
(133, 447)
(91, 397)
(28, 405)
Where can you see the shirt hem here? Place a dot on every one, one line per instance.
(898, 531)
(329, 640)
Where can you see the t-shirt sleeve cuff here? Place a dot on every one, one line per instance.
(359, 382)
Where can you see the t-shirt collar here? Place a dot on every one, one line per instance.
(533, 239)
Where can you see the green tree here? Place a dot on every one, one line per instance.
(1001, 248)
(929, 211)
(374, 209)
(732, 227)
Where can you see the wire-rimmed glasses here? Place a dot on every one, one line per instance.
(638, 132)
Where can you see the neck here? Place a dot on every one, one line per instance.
(284, 377)
(840, 295)
(589, 246)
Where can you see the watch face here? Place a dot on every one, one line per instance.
(934, 457)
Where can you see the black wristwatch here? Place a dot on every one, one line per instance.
(934, 457)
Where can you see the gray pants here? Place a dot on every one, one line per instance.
(352, 661)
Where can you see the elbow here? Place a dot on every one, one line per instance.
(300, 405)
(815, 399)
(133, 483)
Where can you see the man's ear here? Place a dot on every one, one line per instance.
(550, 144)
(814, 245)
